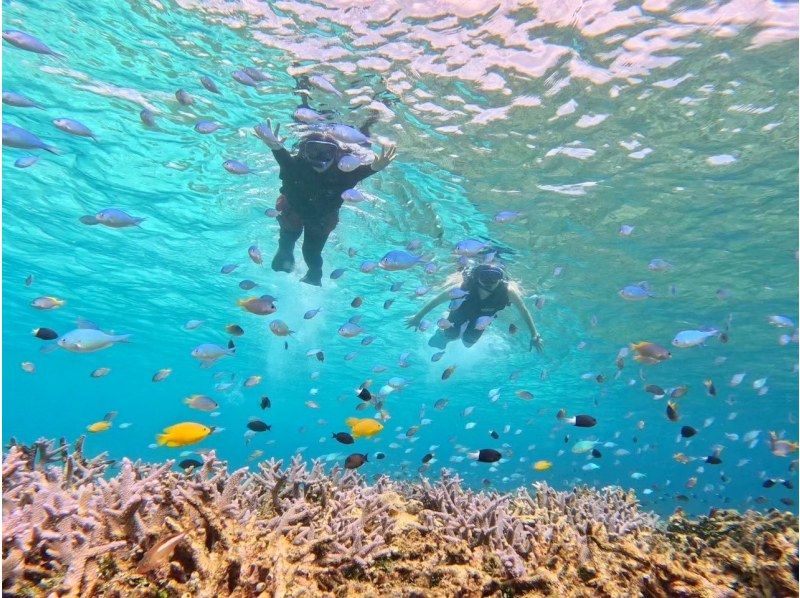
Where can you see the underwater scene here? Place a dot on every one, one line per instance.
(434, 298)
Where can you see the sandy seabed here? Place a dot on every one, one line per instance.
(70, 528)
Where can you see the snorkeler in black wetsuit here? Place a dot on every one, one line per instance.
(487, 292)
(311, 194)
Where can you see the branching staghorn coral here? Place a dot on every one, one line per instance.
(74, 526)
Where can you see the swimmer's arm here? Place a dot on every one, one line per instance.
(414, 320)
(516, 299)
(282, 157)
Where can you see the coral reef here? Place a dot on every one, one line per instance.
(71, 528)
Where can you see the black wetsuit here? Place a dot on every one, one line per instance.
(473, 307)
(310, 200)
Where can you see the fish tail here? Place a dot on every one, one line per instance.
(122, 338)
(52, 150)
(231, 347)
(365, 457)
(161, 439)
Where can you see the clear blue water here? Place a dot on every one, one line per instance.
(490, 108)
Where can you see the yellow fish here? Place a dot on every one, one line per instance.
(649, 353)
(363, 428)
(99, 426)
(183, 434)
(542, 465)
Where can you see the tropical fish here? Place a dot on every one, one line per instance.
(470, 247)
(183, 434)
(355, 461)
(161, 374)
(635, 292)
(100, 426)
(100, 372)
(46, 334)
(398, 260)
(581, 421)
(234, 330)
(25, 41)
(583, 446)
(205, 127)
(363, 428)
(201, 403)
(211, 352)
(18, 137)
(112, 218)
(256, 425)
(243, 78)
(252, 381)
(47, 303)
(348, 163)
(12, 98)
(161, 551)
(236, 167)
(692, 338)
(209, 84)
(343, 437)
(279, 328)
(260, 306)
(349, 330)
(88, 340)
(649, 353)
(322, 83)
(73, 127)
(184, 98)
(485, 455)
(448, 372)
(779, 447)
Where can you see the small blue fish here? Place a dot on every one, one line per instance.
(20, 101)
(244, 78)
(348, 163)
(73, 127)
(323, 83)
(368, 266)
(349, 330)
(398, 260)
(228, 268)
(184, 98)
(506, 217)
(311, 313)
(209, 84)
(26, 161)
(25, 41)
(14, 136)
(470, 247)
(148, 118)
(113, 218)
(635, 292)
(206, 126)
(235, 167)
(337, 273)
(256, 74)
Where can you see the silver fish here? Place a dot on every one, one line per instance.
(236, 167)
(321, 82)
(88, 340)
(73, 127)
(20, 101)
(243, 78)
(184, 98)
(26, 41)
(206, 126)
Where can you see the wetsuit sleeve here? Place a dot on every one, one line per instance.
(282, 157)
(360, 173)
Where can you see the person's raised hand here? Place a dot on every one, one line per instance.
(412, 322)
(382, 161)
(270, 136)
(536, 342)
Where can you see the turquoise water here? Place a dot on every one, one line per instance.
(549, 111)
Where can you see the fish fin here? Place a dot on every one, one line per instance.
(89, 220)
(161, 439)
(122, 338)
(48, 348)
(207, 364)
(82, 322)
(231, 346)
(52, 150)
(365, 457)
